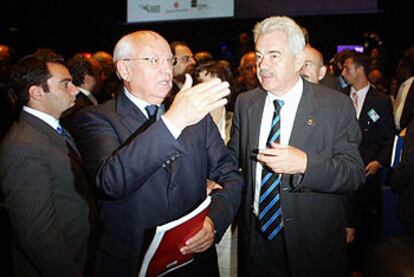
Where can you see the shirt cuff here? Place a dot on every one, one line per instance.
(170, 126)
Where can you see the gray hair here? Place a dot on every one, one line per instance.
(294, 33)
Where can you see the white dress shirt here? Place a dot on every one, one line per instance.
(287, 117)
(362, 93)
(47, 118)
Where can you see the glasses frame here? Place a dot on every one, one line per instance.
(154, 60)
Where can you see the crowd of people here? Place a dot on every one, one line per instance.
(98, 150)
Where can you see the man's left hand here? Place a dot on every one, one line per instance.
(201, 241)
(372, 168)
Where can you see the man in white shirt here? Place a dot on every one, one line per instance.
(374, 112)
(315, 159)
(46, 194)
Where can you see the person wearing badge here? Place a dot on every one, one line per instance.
(374, 114)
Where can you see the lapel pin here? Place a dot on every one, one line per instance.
(310, 122)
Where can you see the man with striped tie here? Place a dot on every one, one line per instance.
(297, 146)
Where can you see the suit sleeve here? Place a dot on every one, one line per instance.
(223, 169)
(340, 170)
(234, 142)
(121, 167)
(29, 198)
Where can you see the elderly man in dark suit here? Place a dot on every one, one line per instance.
(45, 191)
(292, 215)
(151, 167)
(375, 118)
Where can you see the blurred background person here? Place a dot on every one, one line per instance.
(110, 83)
(314, 69)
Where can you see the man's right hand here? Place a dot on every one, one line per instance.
(193, 103)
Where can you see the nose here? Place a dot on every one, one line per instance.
(191, 61)
(166, 67)
(261, 63)
(73, 89)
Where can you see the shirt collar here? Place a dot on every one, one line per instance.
(141, 104)
(47, 118)
(361, 92)
(292, 96)
(88, 94)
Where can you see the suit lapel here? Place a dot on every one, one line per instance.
(366, 106)
(254, 115)
(305, 120)
(42, 127)
(130, 115)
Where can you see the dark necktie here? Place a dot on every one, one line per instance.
(68, 138)
(269, 203)
(152, 112)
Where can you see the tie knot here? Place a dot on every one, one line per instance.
(59, 129)
(152, 111)
(278, 104)
(354, 94)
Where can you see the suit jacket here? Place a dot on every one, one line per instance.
(146, 178)
(326, 129)
(402, 178)
(46, 196)
(378, 129)
(377, 134)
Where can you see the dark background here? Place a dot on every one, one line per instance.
(75, 26)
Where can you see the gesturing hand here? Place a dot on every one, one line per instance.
(193, 103)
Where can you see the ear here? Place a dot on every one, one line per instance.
(87, 79)
(322, 72)
(123, 71)
(36, 93)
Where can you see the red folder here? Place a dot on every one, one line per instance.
(163, 254)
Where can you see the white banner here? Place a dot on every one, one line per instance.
(162, 10)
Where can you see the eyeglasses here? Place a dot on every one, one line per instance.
(185, 59)
(154, 60)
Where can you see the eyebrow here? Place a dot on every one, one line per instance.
(65, 80)
(270, 52)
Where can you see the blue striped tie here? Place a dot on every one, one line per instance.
(68, 138)
(269, 202)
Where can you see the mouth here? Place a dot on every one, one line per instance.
(165, 82)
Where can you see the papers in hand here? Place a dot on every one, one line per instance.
(163, 254)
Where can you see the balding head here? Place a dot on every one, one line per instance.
(313, 70)
(131, 44)
(247, 70)
(144, 62)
